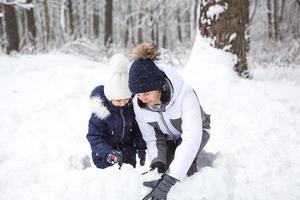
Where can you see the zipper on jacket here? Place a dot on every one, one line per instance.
(124, 124)
(167, 128)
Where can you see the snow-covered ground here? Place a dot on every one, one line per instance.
(253, 152)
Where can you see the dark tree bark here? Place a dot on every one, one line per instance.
(108, 28)
(282, 9)
(179, 25)
(186, 33)
(129, 26)
(195, 13)
(47, 21)
(71, 16)
(228, 29)
(11, 27)
(126, 37)
(276, 20)
(31, 24)
(85, 21)
(152, 27)
(164, 39)
(156, 35)
(270, 24)
(1, 28)
(96, 22)
(140, 29)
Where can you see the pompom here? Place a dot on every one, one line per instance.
(118, 64)
(144, 51)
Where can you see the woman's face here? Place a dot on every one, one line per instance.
(119, 102)
(149, 98)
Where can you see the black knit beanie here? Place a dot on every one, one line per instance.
(145, 76)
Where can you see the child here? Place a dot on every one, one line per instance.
(113, 133)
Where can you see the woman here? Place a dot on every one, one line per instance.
(171, 119)
(113, 132)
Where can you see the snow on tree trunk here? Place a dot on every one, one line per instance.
(225, 22)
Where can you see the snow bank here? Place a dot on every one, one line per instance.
(207, 64)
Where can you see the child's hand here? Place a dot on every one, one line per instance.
(114, 157)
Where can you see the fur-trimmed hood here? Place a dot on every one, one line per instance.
(99, 103)
(101, 106)
(98, 107)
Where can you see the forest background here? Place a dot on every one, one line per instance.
(97, 28)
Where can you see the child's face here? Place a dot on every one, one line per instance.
(119, 102)
(149, 98)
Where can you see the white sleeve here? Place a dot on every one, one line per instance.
(191, 136)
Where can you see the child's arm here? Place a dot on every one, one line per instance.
(97, 139)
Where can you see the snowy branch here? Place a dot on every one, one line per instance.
(21, 3)
(214, 11)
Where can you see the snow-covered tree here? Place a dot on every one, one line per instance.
(225, 21)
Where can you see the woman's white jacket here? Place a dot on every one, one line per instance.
(184, 110)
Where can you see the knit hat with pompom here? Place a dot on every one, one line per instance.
(116, 85)
(144, 75)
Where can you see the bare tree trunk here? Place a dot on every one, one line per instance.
(152, 27)
(133, 37)
(77, 20)
(1, 24)
(282, 9)
(163, 33)
(156, 34)
(186, 33)
(1, 29)
(84, 19)
(162, 30)
(71, 16)
(140, 29)
(126, 37)
(47, 21)
(193, 20)
(130, 37)
(179, 25)
(276, 20)
(270, 25)
(228, 29)
(96, 20)
(108, 28)
(12, 32)
(31, 25)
